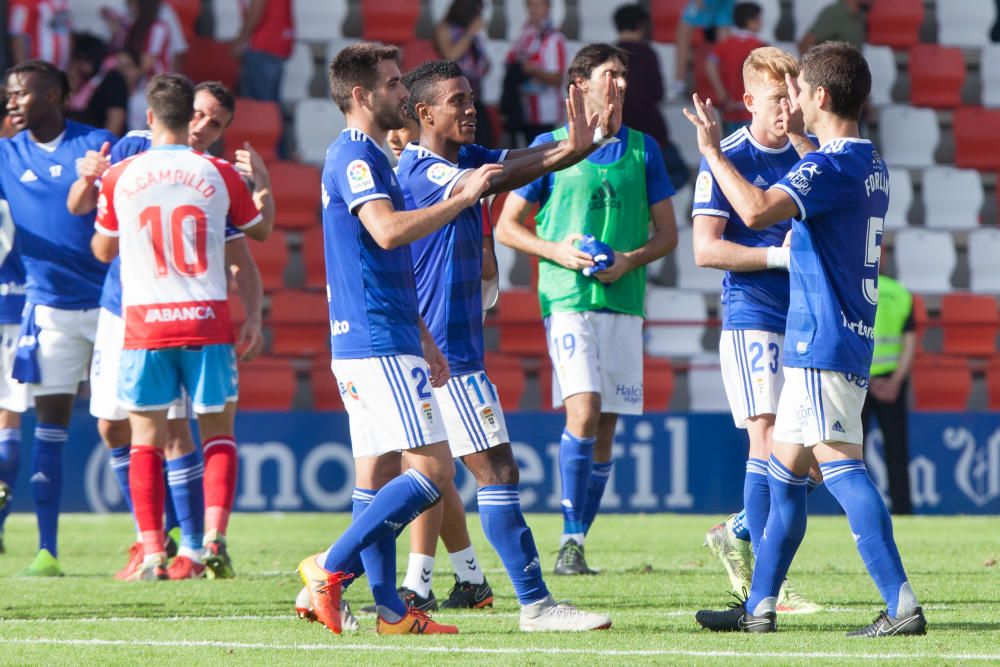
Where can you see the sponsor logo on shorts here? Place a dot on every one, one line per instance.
(351, 389)
(489, 416)
(428, 411)
(857, 380)
(837, 428)
(631, 394)
(338, 327)
(184, 314)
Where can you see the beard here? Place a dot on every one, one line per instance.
(390, 117)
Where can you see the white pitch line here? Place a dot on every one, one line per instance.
(500, 651)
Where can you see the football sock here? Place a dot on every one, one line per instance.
(170, 520)
(46, 483)
(10, 461)
(576, 456)
(148, 494)
(599, 474)
(756, 500)
(119, 462)
(466, 566)
(505, 528)
(187, 496)
(850, 485)
(739, 528)
(360, 500)
(786, 526)
(419, 573)
(813, 484)
(220, 484)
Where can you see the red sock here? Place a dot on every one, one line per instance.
(145, 478)
(220, 482)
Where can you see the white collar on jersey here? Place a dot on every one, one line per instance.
(357, 134)
(48, 146)
(761, 147)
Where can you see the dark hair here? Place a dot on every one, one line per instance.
(171, 99)
(219, 92)
(421, 81)
(463, 12)
(357, 65)
(138, 32)
(53, 76)
(631, 17)
(592, 56)
(89, 49)
(744, 12)
(840, 68)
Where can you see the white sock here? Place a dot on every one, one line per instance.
(466, 566)
(576, 537)
(190, 553)
(419, 573)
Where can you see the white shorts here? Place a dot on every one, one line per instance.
(820, 406)
(14, 396)
(472, 414)
(751, 372)
(597, 352)
(104, 370)
(390, 404)
(65, 346)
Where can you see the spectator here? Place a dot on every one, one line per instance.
(641, 106)
(540, 54)
(129, 67)
(459, 37)
(119, 24)
(148, 38)
(98, 91)
(264, 43)
(840, 21)
(725, 65)
(40, 29)
(714, 17)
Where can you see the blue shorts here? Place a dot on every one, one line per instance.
(153, 379)
(718, 13)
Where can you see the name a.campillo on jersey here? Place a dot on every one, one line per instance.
(138, 183)
(180, 314)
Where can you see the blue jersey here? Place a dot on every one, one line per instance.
(61, 270)
(133, 143)
(11, 269)
(372, 292)
(842, 193)
(750, 299)
(449, 263)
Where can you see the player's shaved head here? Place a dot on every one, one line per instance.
(45, 75)
(768, 65)
(423, 80)
(843, 72)
(171, 99)
(357, 65)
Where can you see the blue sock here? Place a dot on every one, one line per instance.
(360, 500)
(10, 461)
(576, 456)
(740, 530)
(505, 528)
(756, 500)
(813, 484)
(119, 466)
(186, 482)
(849, 483)
(786, 526)
(170, 519)
(599, 474)
(46, 483)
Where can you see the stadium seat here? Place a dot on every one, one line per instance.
(596, 22)
(657, 383)
(706, 393)
(298, 74)
(664, 307)
(418, 51)
(228, 15)
(187, 12)
(804, 13)
(984, 269)
(901, 189)
(690, 276)
(334, 45)
(966, 23)
(389, 22)
(882, 63)
(682, 133)
(989, 71)
(492, 83)
(325, 390)
(214, 62)
(317, 124)
(925, 260)
(993, 384)
(941, 383)
(937, 74)
(895, 23)
(920, 318)
(952, 197)
(267, 384)
(909, 136)
(970, 323)
(313, 257)
(259, 123)
(507, 375)
(506, 260)
(665, 15)
(977, 138)
(300, 323)
(517, 16)
(296, 194)
(271, 257)
(520, 319)
(318, 21)
(546, 380)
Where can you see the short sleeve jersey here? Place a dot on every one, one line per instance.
(449, 262)
(61, 270)
(756, 300)
(47, 26)
(168, 207)
(11, 269)
(372, 291)
(842, 194)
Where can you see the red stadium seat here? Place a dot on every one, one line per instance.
(665, 15)
(520, 320)
(970, 324)
(545, 380)
(390, 22)
(508, 376)
(325, 390)
(271, 257)
(187, 12)
(937, 74)
(209, 60)
(299, 321)
(296, 194)
(920, 319)
(993, 384)
(977, 138)
(267, 384)
(657, 382)
(895, 23)
(418, 51)
(313, 258)
(941, 383)
(257, 122)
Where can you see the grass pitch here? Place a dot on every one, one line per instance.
(655, 575)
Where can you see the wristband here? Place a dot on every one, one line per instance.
(600, 139)
(778, 257)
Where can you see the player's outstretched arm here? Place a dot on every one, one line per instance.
(391, 228)
(251, 292)
(714, 252)
(82, 198)
(251, 165)
(661, 241)
(512, 232)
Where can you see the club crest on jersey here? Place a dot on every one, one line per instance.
(801, 178)
(440, 173)
(184, 314)
(703, 188)
(359, 176)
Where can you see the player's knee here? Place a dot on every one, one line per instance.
(440, 471)
(114, 432)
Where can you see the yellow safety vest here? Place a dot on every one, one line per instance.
(894, 306)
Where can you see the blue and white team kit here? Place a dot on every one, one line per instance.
(14, 396)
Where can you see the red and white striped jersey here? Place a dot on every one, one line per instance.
(168, 207)
(46, 24)
(160, 45)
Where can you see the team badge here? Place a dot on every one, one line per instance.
(489, 418)
(440, 173)
(428, 412)
(703, 188)
(359, 175)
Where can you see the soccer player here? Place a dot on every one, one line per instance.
(754, 300)
(594, 324)
(165, 210)
(378, 340)
(63, 277)
(837, 197)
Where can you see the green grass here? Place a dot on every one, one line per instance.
(655, 573)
